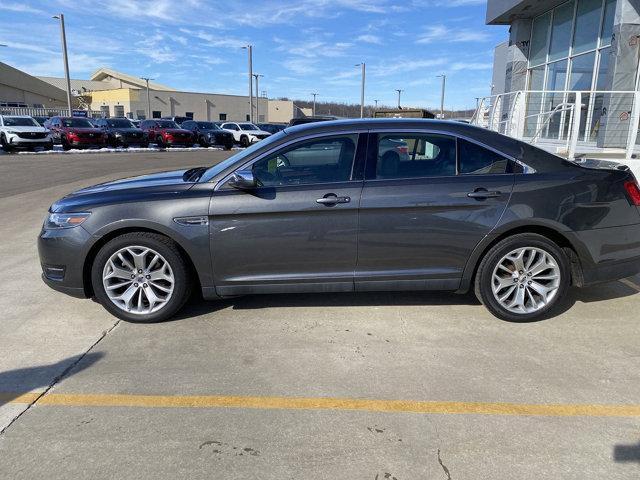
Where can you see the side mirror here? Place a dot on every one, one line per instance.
(243, 180)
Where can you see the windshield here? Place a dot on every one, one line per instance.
(238, 157)
(119, 123)
(77, 123)
(20, 122)
(167, 124)
(208, 126)
(248, 126)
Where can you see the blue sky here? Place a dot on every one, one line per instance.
(300, 46)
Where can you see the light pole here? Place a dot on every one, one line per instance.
(364, 74)
(376, 101)
(257, 76)
(444, 81)
(399, 92)
(249, 49)
(314, 104)
(148, 97)
(63, 38)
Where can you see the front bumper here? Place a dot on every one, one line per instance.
(19, 142)
(87, 142)
(62, 253)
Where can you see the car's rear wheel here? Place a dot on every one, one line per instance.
(523, 278)
(141, 277)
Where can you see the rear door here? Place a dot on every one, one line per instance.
(428, 199)
(296, 231)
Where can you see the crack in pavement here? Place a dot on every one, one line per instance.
(444, 467)
(61, 376)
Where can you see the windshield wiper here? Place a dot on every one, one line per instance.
(193, 174)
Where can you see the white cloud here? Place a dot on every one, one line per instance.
(442, 34)
(19, 7)
(368, 38)
(466, 66)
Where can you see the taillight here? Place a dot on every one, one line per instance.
(633, 191)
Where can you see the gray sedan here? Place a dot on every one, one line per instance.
(358, 205)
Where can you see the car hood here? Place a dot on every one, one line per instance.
(27, 129)
(82, 130)
(126, 130)
(140, 188)
(256, 132)
(175, 130)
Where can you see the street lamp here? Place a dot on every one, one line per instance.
(314, 104)
(444, 81)
(376, 101)
(257, 76)
(65, 58)
(249, 49)
(362, 88)
(148, 98)
(399, 92)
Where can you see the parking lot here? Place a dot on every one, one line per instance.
(376, 386)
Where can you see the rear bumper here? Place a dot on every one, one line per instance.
(609, 253)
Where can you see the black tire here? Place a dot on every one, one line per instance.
(160, 142)
(484, 274)
(3, 143)
(165, 247)
(48, 146)
(202, 142)
(65, 144)
(244, 141)
(228, 146)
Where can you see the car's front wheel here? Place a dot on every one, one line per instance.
(523, 278)
(141, 277)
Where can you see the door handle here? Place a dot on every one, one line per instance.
(332, 199)
(483, 193)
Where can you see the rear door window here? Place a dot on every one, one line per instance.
(477, 160)
(414, 155)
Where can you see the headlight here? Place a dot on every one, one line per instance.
(64, 220)
(118, 134)
(12, 132)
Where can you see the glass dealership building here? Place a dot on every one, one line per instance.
(592, 46)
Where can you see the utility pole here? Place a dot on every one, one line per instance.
(249, 49)
(148, 97)
(376, 103)
(444, 81)
(257, 76)
(363, 66)
(399, 92)
(65, 58)
(314, 104)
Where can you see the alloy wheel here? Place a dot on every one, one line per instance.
(138, 280)
(526, 280)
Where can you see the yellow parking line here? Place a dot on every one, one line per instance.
(323, 403)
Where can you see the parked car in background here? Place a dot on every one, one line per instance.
(75, 132)
(208, 133)
(23, 132)
(121, 133)
(40, 119)
(177, 119)
(165, 133)
(135, 123)
(245, 133)
(317, 208)
(93, 121)
(272, 127)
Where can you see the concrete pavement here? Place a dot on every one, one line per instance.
(414, 347)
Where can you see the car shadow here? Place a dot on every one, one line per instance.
(14, 383)
(626, 453)
(197, 306)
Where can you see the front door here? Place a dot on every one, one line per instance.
(427, 201)
(297, 230)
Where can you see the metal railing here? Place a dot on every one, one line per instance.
(574, 122)
(44, 112)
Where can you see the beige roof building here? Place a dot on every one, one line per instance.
(18, 87)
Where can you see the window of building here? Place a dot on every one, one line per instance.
(414, 156)
(118, 110)
(141, 114)
(104, 110)
(156, 114)
(189, 115)
(325, 160)
(248, 119)
(568, 45)
(222, 117)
